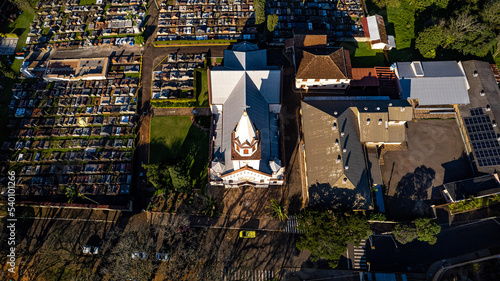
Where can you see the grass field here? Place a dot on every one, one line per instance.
(87, 2)
(175, 138)
(16, 65)
(21, 25)
(362, 54)
(201, 86)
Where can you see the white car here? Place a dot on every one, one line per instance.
(90, 250)
(138, 255)
(162, 256)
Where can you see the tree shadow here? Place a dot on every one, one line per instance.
(323, 195)
(412, 195)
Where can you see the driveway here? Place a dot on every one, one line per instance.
(435, 155)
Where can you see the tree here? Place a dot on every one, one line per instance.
(490, 14)
(429, 40)
(210, 207)
(158, 175)
(139, 40)
(404, 233)
(277, 210)
(423, 229)
(427, 230)
(260, 11)
(326, 233)
(185, 252)
(73, 193)
(272, 22)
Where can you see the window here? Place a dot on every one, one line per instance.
(238, 149)
(245, 151)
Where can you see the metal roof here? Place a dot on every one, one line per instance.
(442, 83)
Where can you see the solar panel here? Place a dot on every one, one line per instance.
(483, 138)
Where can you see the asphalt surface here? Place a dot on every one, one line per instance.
(418, 256)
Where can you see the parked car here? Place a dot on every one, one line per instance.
(162, 256)
(138, 255)
(247, 234)
(91, 250)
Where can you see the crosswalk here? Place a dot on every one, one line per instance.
(359, 260)
(247, 275)
(291, 225)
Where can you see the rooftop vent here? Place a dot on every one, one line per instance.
(342, 134)
(334, 127)
(488, 107)
(380, 121)
(368, 121)
(338, 159)
(378, 108)
(344, 181)
(335, 113)
(402, 108)
(482, 93)
(417, 68)
(494, 123)
(475, 73)
(344, 150)
(346, 167)
(366, 108)
(336, 142)
(390, 104)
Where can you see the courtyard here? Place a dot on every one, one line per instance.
(435, 155)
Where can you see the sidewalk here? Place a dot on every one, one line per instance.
(438, 268)
(263, 223)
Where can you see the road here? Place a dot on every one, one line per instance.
(418, 256)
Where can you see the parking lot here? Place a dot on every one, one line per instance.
(434, 156)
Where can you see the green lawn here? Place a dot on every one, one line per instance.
(21, 25)
(362, 54)
(175, 138)
(87, 2)
(133, 75)
(403, 19)
(201, 86)
(16, 65)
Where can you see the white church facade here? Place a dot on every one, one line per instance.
(245, 99)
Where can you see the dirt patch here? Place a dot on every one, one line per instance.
(435, 155)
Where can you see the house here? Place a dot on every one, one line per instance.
(374, 29)
(432, 84)
(322, 68)
(245, 99)
(336, 133)
(479, 117)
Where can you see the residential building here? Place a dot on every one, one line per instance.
(335, 133)
(322, 68)
(245, 99)
(374, 29)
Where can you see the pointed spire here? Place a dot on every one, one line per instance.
(245, 131)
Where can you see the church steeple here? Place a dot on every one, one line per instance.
(245, 137)
(245, 131)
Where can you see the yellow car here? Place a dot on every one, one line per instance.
(247, 234)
